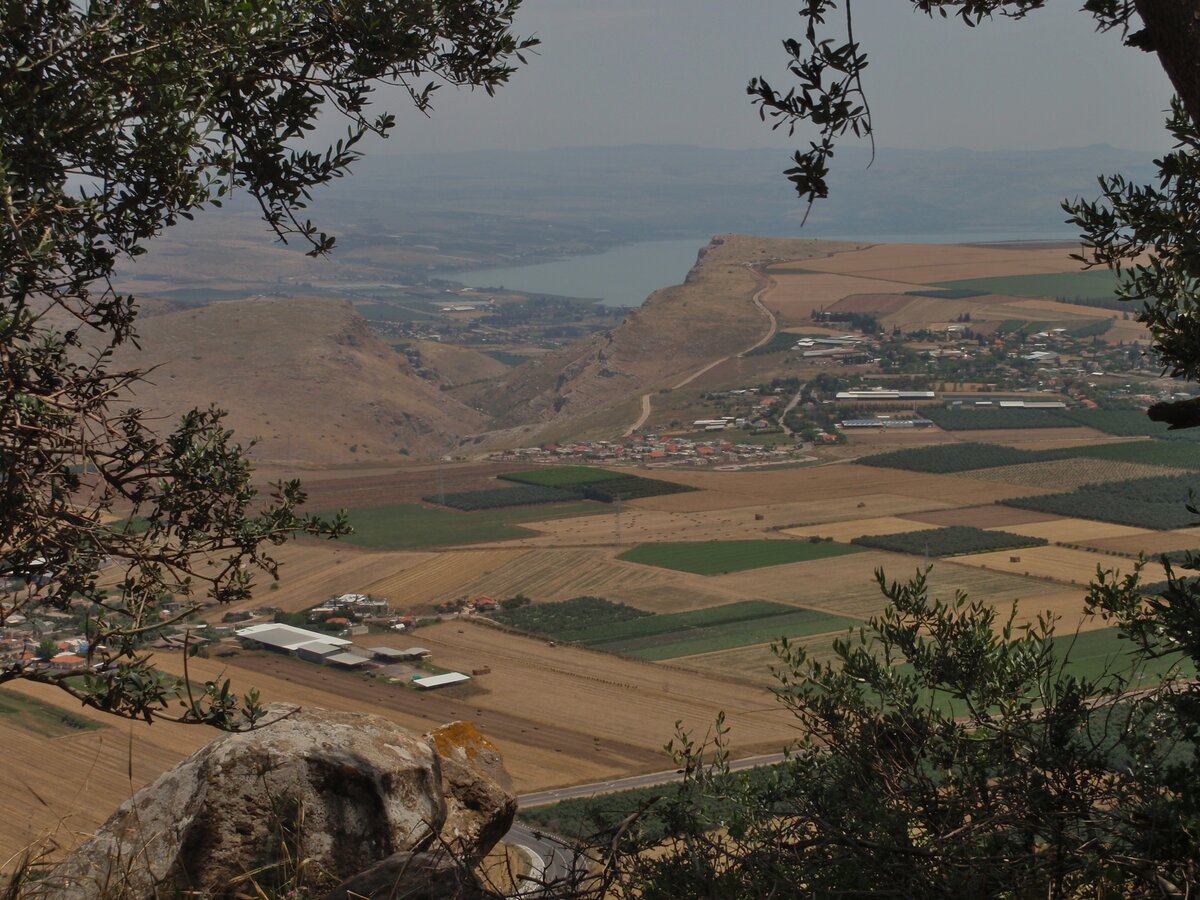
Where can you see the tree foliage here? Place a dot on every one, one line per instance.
(118, 118)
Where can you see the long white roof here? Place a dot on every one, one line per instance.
(287, 637)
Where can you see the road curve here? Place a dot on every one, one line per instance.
(767, 283)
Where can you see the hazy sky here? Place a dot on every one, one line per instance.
(674, 72)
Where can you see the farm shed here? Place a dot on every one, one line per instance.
(437, 681)
(285, 638)
(346, 660)
(317, 651)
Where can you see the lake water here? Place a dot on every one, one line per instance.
(626, 276)
(623, 276)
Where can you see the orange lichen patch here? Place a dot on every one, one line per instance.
(461, 739)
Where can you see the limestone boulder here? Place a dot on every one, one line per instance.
(339, 791)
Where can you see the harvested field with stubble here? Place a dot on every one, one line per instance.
(1068, 474)
(62, 788)
(925, 264)
(597, 695)
(442, 575)
(1076, 531)
(848, 531)
(846, 586)
(827, 491)
(311, 572)
(1063, 565)
(1148, 542)
(796, 296)
(551, 574)
(754, 663)
(355, 488)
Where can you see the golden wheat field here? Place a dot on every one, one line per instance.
(441, 576)
(1063, 565)
(1075, 531)
(557, 573)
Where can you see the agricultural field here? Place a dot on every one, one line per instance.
(952, 540)
(1179, 454)
(1064, 565)
(991, 516)
(501, 498)
(1124, 423)
(559, 573)
(1077, 531)
(798, 623)
(567, 618)
(1155, 503)
(987, 419)
(407, 526)
(950, 458)
(1150, 542)
(438, 577)
(564, 476)
(923, 265)
(723, 557)
(1074, 472)
(1065, 286)
(846, 532)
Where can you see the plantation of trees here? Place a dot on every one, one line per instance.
(993, 417)
(954, 540)
(576, 614)
(1159, 503)
(940, 460)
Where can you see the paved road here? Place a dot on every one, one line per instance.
(774, 327)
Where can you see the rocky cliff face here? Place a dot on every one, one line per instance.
(353, 799)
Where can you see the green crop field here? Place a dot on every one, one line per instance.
(743, 611)
(722, 557)
(41, 718)
(598, 484)
(796, 624)
(1099, 284)
(408, 526)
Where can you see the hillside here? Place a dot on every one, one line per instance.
(676, 331)
(305, 377)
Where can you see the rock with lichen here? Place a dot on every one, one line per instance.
(316, 797)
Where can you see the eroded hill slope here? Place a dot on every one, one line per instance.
(305, 377)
